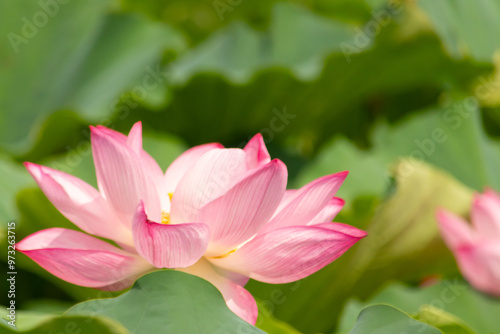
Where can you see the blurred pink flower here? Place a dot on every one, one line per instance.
(221, 214)
(476, 247)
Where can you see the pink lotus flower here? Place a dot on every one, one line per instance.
(221, 214)
(476, 247)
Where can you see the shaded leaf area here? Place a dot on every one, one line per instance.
(488, 89)
(402, 237)
(37, 323)
(446, 304)
(450, 137)
(169, 301)
(79, 58)
(270, 324)
(294, 83)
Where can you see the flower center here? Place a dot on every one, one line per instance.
(225, 255)
(165, 216)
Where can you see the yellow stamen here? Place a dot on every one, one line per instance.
(225, 255)
(165, 217)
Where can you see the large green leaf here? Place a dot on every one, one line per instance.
(463, 306)
(169, 301)
(402, 237)
(71, 55)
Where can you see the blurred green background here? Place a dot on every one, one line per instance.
(403, 94)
